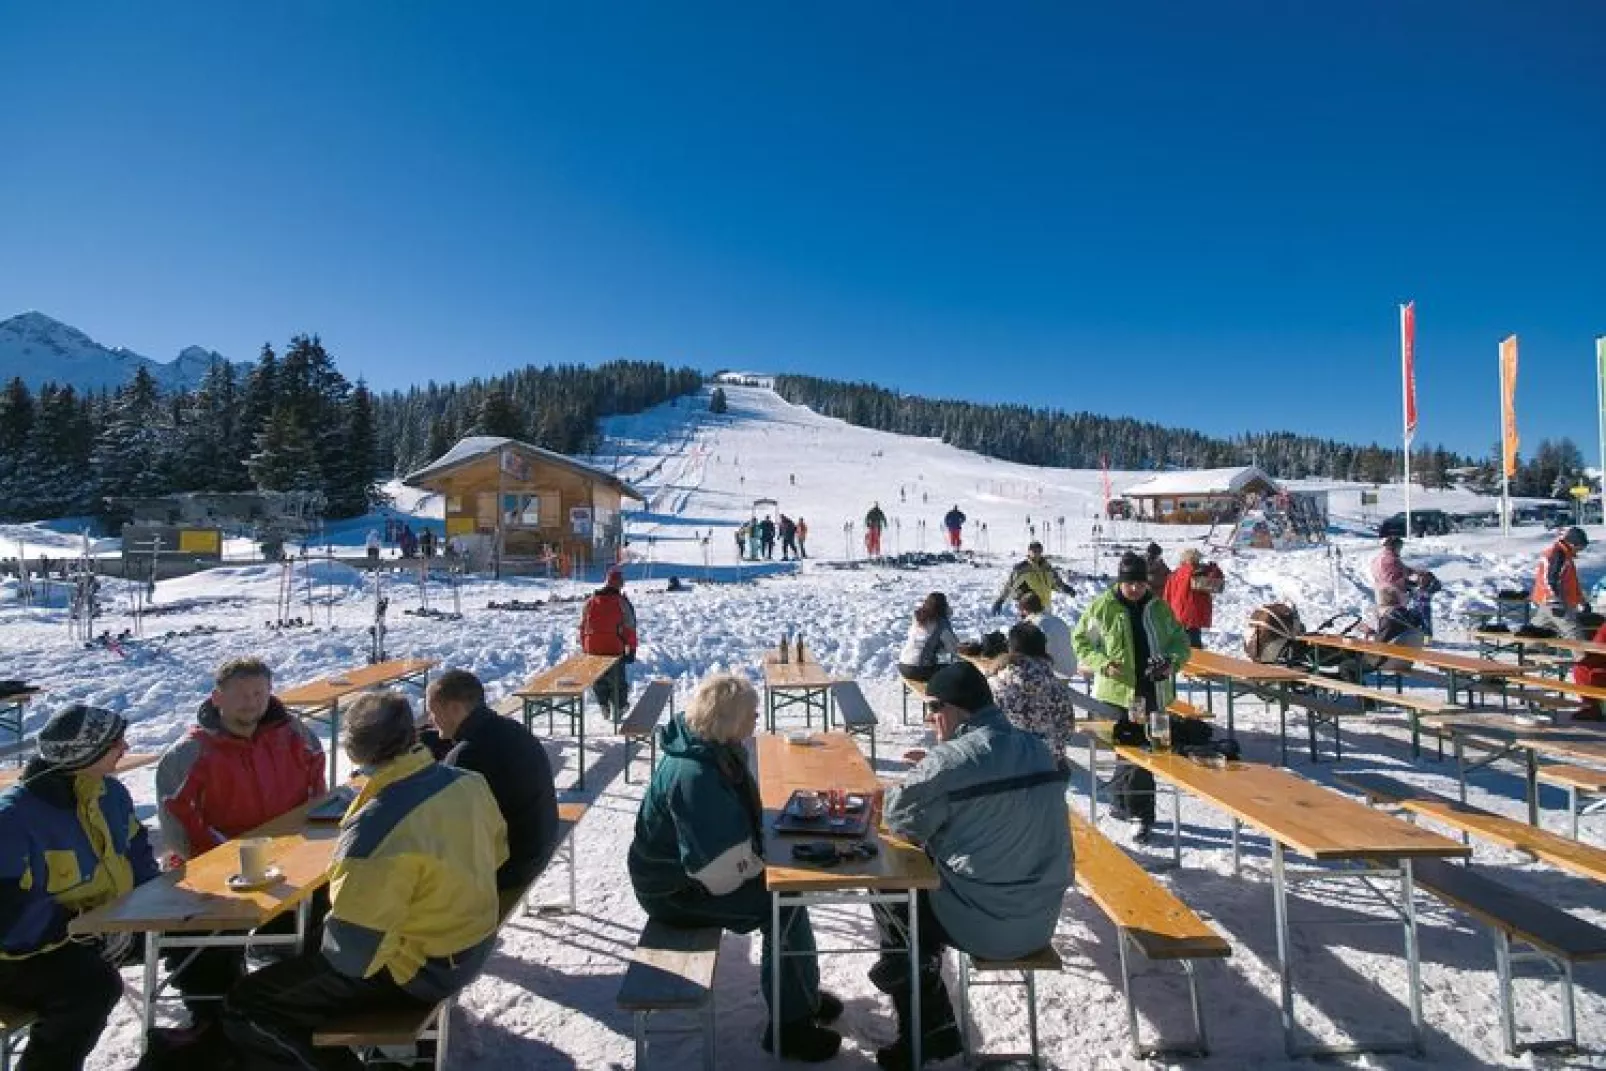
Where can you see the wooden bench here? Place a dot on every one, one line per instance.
(1578, 781)
(14, 1024)
(915, 688)
(1414, 706)
(1027, 968)
(1552, 935)
(1148, 917)
(642, 722)
(672, 971)
(393, 1035)
(854, 711)
(1571, 855)
(569, 815)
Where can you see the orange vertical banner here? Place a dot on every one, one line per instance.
(1508, 405)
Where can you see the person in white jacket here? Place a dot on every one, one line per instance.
(1054, 629)
(931, 642)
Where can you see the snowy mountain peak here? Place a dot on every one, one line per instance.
(41, 349)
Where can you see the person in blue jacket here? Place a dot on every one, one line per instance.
(696, 858)
(69, 842)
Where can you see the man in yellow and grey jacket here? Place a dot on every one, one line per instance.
(412, 899)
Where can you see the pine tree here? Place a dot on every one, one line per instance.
(497, 416)
(284, 459)
(133, 450)
(350, 483)
(717, 402)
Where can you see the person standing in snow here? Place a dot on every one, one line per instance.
(788, 538)
(246, 761)
(608, 627)
(1388, 571)
(766, 537)
(1056, 632)
(753, 539)
(372, 545)
(407, 541)
(69, 842)
(1036, 574)
(931, 641)
(1557, 596)
(874, 522)
(954, 522)
(1159, 571)
(1591, 670)
(426, 543)
(697, 858)
(802, 538)
(741, 541)
(1191, 591)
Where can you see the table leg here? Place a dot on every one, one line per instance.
(775, 972)
(1279, 893)
(1412, 961)
(1176, 826)
(915, 1031)
(1232, 733)
(1237, 861)
(1532, 763)
(1461, 778)
(769, 718)
(1282, 733)
(529, 714)
(334, 744)
(1093, 779)
(153, 959)
(578, 718)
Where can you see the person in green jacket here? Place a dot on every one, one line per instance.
(1133, 645)
(696, 859)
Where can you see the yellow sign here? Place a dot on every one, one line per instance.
(204, 541)
(1582, 492)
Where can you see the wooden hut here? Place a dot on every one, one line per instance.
(516, 507)
(1203, 496)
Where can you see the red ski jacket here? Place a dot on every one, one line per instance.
(1192, 606)
(214, 786)
(608, 624)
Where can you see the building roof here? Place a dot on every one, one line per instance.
(475, 447)
(1200, 482)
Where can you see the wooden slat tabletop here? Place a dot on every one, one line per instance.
(1317, 822)
(1403, 699)
(1424, 656)
(1556, 741)
(329, 690)
(1572, 688)
(1559, 643)
(796, 675)
(196, 897)
(1211, 664)
(833, 760)
(572, 676)
(133, 760)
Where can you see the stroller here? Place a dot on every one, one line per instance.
(1274, 638)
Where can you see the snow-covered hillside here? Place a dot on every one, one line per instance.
(546, 999)
(42, 350)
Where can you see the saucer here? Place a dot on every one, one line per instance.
(238, 883)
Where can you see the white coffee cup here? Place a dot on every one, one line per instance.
(254, 859)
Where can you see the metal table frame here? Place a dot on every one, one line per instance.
(811, 697)
(571, 704)
(417, 679)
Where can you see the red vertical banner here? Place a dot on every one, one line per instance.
(1104, 468)
(1508, 405)
(1408, 366)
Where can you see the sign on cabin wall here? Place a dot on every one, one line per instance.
(580, 521)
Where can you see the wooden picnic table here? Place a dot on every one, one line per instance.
(1208, 666)
(195, 899)
(893, 875)
(1311, 820)
(562, 690)
(131, 760)
(320, 700)
(1505, 735)
(1519, 645)
(1455, 665)
(805, 684)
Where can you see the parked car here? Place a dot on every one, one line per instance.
(1424, 522)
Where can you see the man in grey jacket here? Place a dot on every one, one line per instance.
(988, 805)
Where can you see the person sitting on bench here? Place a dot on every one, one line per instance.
(988, 804)
(695, 860)
(469, 735)
(412, 899)
(931, 641)
(69, 842)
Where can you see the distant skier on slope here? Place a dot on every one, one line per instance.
(874, 522)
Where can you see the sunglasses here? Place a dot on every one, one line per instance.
(933, 708)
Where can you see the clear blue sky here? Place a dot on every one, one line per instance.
(1199, 213)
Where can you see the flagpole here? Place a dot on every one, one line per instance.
(1405, 404)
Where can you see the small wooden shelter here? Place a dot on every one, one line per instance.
(1203, 496)
(512, 504)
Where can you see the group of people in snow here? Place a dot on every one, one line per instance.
(755, 539)
(450, 819)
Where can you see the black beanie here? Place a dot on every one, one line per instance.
(962, 685)
(1132, 569)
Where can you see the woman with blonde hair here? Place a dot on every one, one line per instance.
(697, 857)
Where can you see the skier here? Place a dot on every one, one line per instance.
(874, 522)
(408, 541)
(426, 543)
(1036, 574)
(373, 548)
(802, 538)
(753, 539)
(954, 521)
(766, 537)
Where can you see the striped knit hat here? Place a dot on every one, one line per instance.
(79, 736)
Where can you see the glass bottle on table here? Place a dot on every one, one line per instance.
(1159, 729)
(783, 648)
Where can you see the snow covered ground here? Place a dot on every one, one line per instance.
(546, 1000)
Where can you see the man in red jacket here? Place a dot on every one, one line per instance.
(1190, 591)
(245, 762)
(608, 627)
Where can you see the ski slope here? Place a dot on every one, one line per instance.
(546, 999)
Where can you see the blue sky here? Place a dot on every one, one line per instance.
(1198, 213)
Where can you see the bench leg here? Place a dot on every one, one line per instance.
(710, 1057)
(966, 1039)
(1031, 1016)
(1504, 958)
(443, 1027)
(641, 1040)
(1572, 809)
